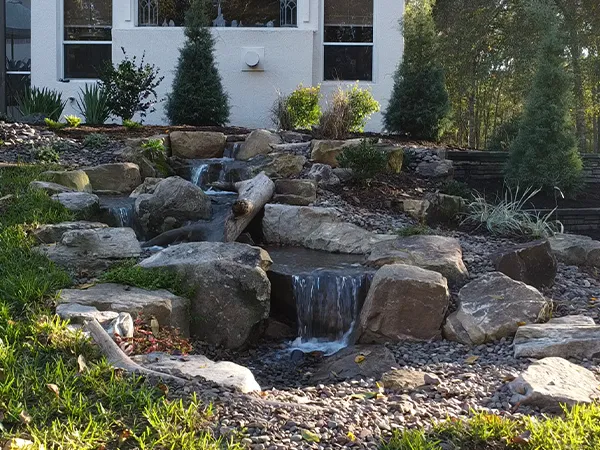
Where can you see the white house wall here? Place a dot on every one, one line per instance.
(291, 56)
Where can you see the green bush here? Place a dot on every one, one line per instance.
(131, 125)
(456, 188)
(93, 104)
(131, 87)
(73, 121)
(362, 107)
(303, 107)
(46, 154)
(364, 160)
(504, 135)
(347, 112)
(41, 101)
(414, 230)
(197, 96)
(419, 103)
(54, 125)
(96, 141)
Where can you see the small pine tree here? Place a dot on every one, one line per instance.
(544, 154)
(198, 97)
(419, 102)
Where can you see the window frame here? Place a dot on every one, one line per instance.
(374, 71)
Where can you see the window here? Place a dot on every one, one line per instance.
(348, 40)
(87, 37)
(17, 35)
(224, 13)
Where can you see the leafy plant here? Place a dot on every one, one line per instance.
(131, 87)
(44, 101)
(54, 125)
(154, 149)
(364, 160)
(303, 107)
(348, 111)
(93, 104)
(73, 121)
(47, 154)
(414, 230)
(96, 140)
(362, 107)
(131, 125)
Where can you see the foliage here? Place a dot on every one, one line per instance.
(280, 115)
(44, 101)
(504, 135)
(414, 230)
(509, 216)
(362, 107)
(131, 125)
(303, 107)
(347, 111)
(93, 104)
(73, 121)
(544, 153)
(364, 159)
(54, 125)
(456, 188)
(130, 87)
(47, 154)
(96, 140)
(156, 152)
(197, 96)
(419, 102)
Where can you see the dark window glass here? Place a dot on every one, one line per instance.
(88, 13)
(348, 12)
(83, 33)
(15, 86)
(348, 34)
(354, 63)
(18, 35)
(86, 60)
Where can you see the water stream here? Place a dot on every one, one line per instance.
(119, 210)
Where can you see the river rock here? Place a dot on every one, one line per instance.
(404, 303)
(295, 192)
(532, 263)
(258, 143)
(277, 165)
(436, 169)
(170, 204)
(115, 177)
(576, 250)
(404, 380)
(197, 144)
(80, 203)
(50, 188)
(493, 307)
(323, 175)
(48, 234)
(223, 373)
(356, 362)
(552, 382)
(327, 151)
(564, 337)
(232, 291)
(438, 253)
(77, 180)
(169, 309)
(92, 251)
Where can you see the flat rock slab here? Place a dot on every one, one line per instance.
(576, 250)
(169, 309)
(78, 202)
(407, 380)
(438, 253)
(223, 373)
(532, 263)
(359, 361)
(50, 188)
(115, 323)
(74, 179)
(564, 337)
(492, 307)
(117, 177)
(552, 382)
(49, 234)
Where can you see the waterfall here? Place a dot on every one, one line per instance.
(199, 175)
(123, 215)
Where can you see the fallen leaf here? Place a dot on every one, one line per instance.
(471, 359)
(86, 286)
(82, 366)
(523, 438)
(521, 324)
(125, 434)
(309, 436)
(164, 388)
(53, 388)
(351, 436)
(24, 417)
(359, 359)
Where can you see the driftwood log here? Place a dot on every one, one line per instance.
(253, 196)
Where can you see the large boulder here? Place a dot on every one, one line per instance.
(277, 165)
(404, 303)
(80, 203)
(116, 177)
(147, 187)
(436, 169)
(317, 229)
(532, 263)
(295, 192)
(232, 291)
(438, 253)
(327, 151)
(197, 144)
(258, 143)
(170, 204)
(552, 382)
(576, 250)
(323, 175)
(493, 307)
(134, 152)
(395, 158)
(360, 361)
(50, 188)
(92, 251)
(77, 180)
(222, 373)
(564, 337)
(48, 234)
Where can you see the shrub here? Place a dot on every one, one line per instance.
(504, 135)
(362, 107)
(41, 101)
(414, 230)
(73, 121)
(303, 107)
(544, 154)
(93, 104)
(47, 154)
(364, 160)
(419, 103)
(197, 96)
(131, 87)
(348, 111)
(456, 188)
(131, 125)
(280, 115)
(96, 141)
(54, 125)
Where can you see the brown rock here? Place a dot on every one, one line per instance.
(197, 144)
(532, 263)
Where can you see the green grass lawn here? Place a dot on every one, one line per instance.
(55, 389)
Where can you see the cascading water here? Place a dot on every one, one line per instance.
(119, 209)
(199, 175)
(124, 215)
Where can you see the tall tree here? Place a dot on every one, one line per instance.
(419, 101)
(198, 97)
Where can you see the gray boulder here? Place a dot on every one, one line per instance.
(295, 192)
(438, 253)
(493, 307)
(171, 204)
(48, 234)
(436, 169)
(323, 175)
(50, 188)
(356, 362)
(552, 382)
(197, 144)
(222, 373)
(532, 263)
(564, 337)
(79, 202)
(116, 177)
(576, 250)
(169, 309)
(147, 187)
(258, 143)
(404, 303)
(232, 291)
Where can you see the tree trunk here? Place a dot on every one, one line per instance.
(253, 196)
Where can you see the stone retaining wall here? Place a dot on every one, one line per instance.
(577, 220)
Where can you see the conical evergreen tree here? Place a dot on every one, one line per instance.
(198, 97)
(419, 101)
(544, 154)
